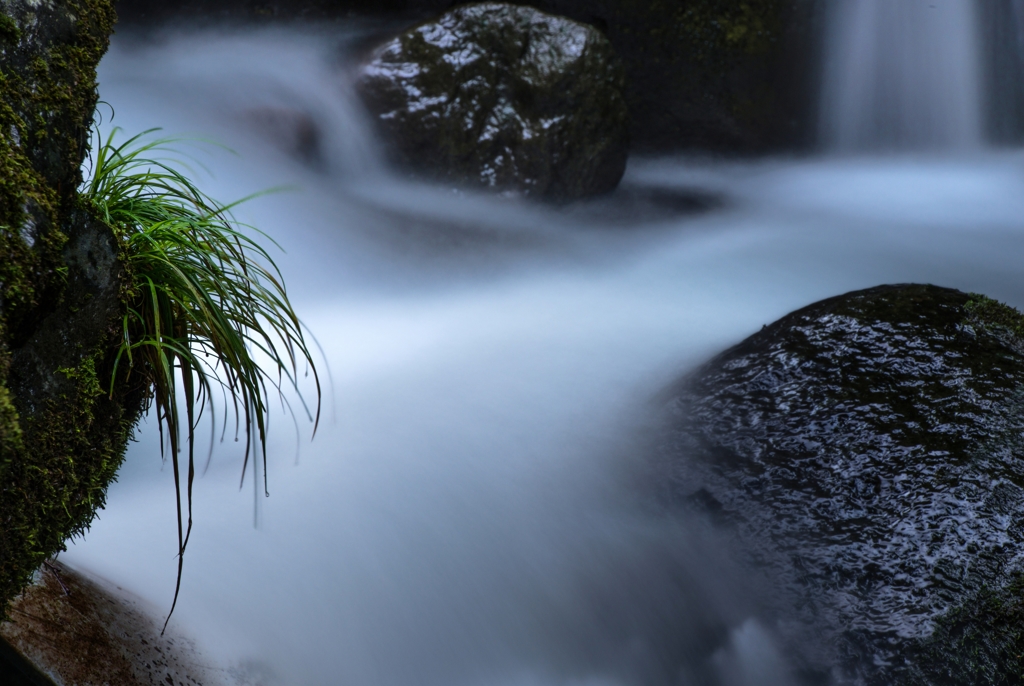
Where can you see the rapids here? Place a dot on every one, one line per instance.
(474, 509)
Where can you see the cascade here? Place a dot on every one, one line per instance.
(902, 75)
(1002, 26)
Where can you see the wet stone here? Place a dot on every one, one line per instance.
(866, 454)
(70, 629)
(503, 97)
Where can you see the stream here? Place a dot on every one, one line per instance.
(476, 509)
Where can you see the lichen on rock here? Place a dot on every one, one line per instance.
(503, 97)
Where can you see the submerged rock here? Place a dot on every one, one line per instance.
(504, 97)
(867, 453)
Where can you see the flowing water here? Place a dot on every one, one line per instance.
(473, 510)
(903, 74)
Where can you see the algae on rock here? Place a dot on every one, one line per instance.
(62, 437)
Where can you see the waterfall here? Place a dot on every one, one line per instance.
(1002, 26)
(902, 74)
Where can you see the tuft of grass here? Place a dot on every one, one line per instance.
(205, 298)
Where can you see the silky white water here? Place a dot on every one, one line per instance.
(902, 75)
(473, 510)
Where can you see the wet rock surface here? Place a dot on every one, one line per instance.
(503, 97)
(73, 629)
(867, 453)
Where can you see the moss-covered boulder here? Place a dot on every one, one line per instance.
(62, 432)
(867, 453)
(503, 97)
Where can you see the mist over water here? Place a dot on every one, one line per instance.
(476, 508)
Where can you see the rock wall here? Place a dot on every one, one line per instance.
(62, 432)
(714, 75)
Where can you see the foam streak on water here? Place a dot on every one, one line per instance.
(902, 74)
(468, 514)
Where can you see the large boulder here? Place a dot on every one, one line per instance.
(867, 454)
(504, 97)
(63, 428)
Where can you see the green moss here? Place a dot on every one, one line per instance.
(45, 95)
(10, 428)
(980, 642)
(10, 32)
(994, 315)
(723, 30)
(62, 437)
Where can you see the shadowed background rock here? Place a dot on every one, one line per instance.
(715, 75)
(503, 97)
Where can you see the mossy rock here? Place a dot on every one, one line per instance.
(503, 97)
(62, 431)
(867, 454)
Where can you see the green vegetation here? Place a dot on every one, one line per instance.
(203, 298)
(113, 294)
(978, 642)
(995, 315)
(715, 28)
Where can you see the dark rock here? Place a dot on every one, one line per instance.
(720, 75)
(505, 97)
(867, 453)
(64, 425)
(292, 131)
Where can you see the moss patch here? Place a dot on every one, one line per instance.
(61, 436)
(994, 315)
(981, 642)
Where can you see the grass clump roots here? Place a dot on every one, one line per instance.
(205, 300)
